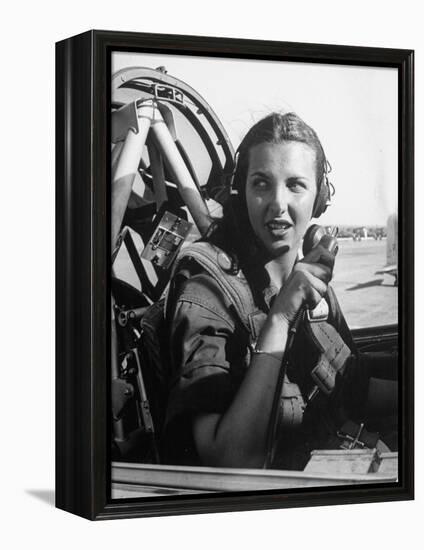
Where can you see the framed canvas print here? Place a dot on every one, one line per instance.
(234, 274)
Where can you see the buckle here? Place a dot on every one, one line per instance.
(319, 313)
(352, 441)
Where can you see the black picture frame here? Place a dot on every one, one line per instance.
(82, 263)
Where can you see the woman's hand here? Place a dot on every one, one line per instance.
(306, 284)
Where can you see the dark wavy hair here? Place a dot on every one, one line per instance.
(233, 232)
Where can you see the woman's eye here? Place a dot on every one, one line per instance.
(260, 185)
(296, 185)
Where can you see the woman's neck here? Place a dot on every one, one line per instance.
(280, 268)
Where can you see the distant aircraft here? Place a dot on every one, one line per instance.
(391, 267)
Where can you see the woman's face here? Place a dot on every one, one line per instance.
(280, 194)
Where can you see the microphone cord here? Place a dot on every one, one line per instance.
(274, 417)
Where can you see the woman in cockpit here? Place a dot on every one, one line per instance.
(254, 382)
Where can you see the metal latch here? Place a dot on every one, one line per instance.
(168, 93)
(166, 241)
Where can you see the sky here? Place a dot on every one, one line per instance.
(352, 109)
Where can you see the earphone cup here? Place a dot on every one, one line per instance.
(322, 199)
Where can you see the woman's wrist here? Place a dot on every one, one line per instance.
(280, 318)
(278, 321)
(277, 356)
(273, 337)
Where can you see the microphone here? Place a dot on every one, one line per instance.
(314, 236)
(317, 235)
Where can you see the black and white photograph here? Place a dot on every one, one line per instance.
(254, 275)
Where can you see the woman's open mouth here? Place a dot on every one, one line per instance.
(278, 228)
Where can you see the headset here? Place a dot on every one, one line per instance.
(325, 192)
(325, 187)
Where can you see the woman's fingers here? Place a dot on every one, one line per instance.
(320, 271)
(319, 254)
(306, 285)
(315, 293)
(314, 287)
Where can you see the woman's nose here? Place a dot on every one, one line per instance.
(278, 199)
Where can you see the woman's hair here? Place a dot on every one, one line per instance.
(233, 231)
